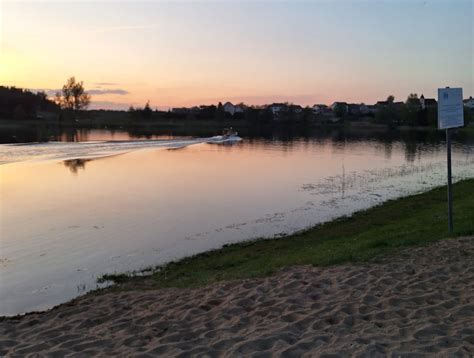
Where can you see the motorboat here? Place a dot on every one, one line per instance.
(229, 136)
(229, 133)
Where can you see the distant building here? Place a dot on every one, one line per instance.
(372, 108)
(229, 108)
(469, 103)
(233, 109)
(427, 102)
(353, 109)
(276, 108)
(295, 108)
(381, 104)
(239, 108)
(364, 109)
(204, 107)
(398, 105)
(321, 109)
(335, 104)
(181, 110)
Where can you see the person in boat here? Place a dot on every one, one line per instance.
(227, 132)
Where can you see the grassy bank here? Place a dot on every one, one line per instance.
(468, 130)
(369, 234)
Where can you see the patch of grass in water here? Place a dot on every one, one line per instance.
(116, 278)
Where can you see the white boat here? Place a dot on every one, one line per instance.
(232, 136)
(228, 136)
(229, 133)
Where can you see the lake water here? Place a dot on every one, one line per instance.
(72, 211)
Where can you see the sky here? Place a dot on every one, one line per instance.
(183, 53)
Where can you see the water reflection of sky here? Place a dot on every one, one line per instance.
(65, 222)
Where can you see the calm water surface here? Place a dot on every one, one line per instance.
(73, 211)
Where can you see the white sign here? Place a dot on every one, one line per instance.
(450, 108)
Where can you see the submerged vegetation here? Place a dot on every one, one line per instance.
(367, 235)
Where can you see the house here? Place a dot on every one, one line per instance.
(427, 102)
(372, 108)
(294, 108)
(206, 111)
(384, 104)
(276, 108)
(335, 104)
(233, 109)
(181, 110)
(339, 108)
(325, 110)
(239, 108)
(320, 109)
(364, 109)
(229, 108)
(469, 103)
(353, 109)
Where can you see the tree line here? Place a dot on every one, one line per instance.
(408, 113)
(18, 103)
(73, 99)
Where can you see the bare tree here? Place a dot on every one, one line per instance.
(73, 96)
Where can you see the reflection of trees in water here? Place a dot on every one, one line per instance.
(411, 149)
(388, 148)
(27, 134)
(75, 164)
(75, 135)
(283, 133)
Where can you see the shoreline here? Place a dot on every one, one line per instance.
(385, 281)
(418, 302)
(348, 239)
(218, 264)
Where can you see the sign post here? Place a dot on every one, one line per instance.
(450, 193)
(450, 115)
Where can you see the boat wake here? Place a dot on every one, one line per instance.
(10, 153)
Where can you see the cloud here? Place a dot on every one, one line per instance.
(109, 105)
(50, 92)
(105, 84)
(120, 106)
(100, 92)
(93, 92)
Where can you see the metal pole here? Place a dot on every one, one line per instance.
(450, 195)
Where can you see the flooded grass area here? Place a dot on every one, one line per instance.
(367, 235)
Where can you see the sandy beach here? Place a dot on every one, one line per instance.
(418, 302)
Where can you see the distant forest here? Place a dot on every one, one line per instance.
(19, 103)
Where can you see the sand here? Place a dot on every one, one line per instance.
(419, 302)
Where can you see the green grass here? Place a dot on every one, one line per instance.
(468, 129)
(367, 235)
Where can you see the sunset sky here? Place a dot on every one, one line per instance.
(179, 53)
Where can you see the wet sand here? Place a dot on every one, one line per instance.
(420, 301)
